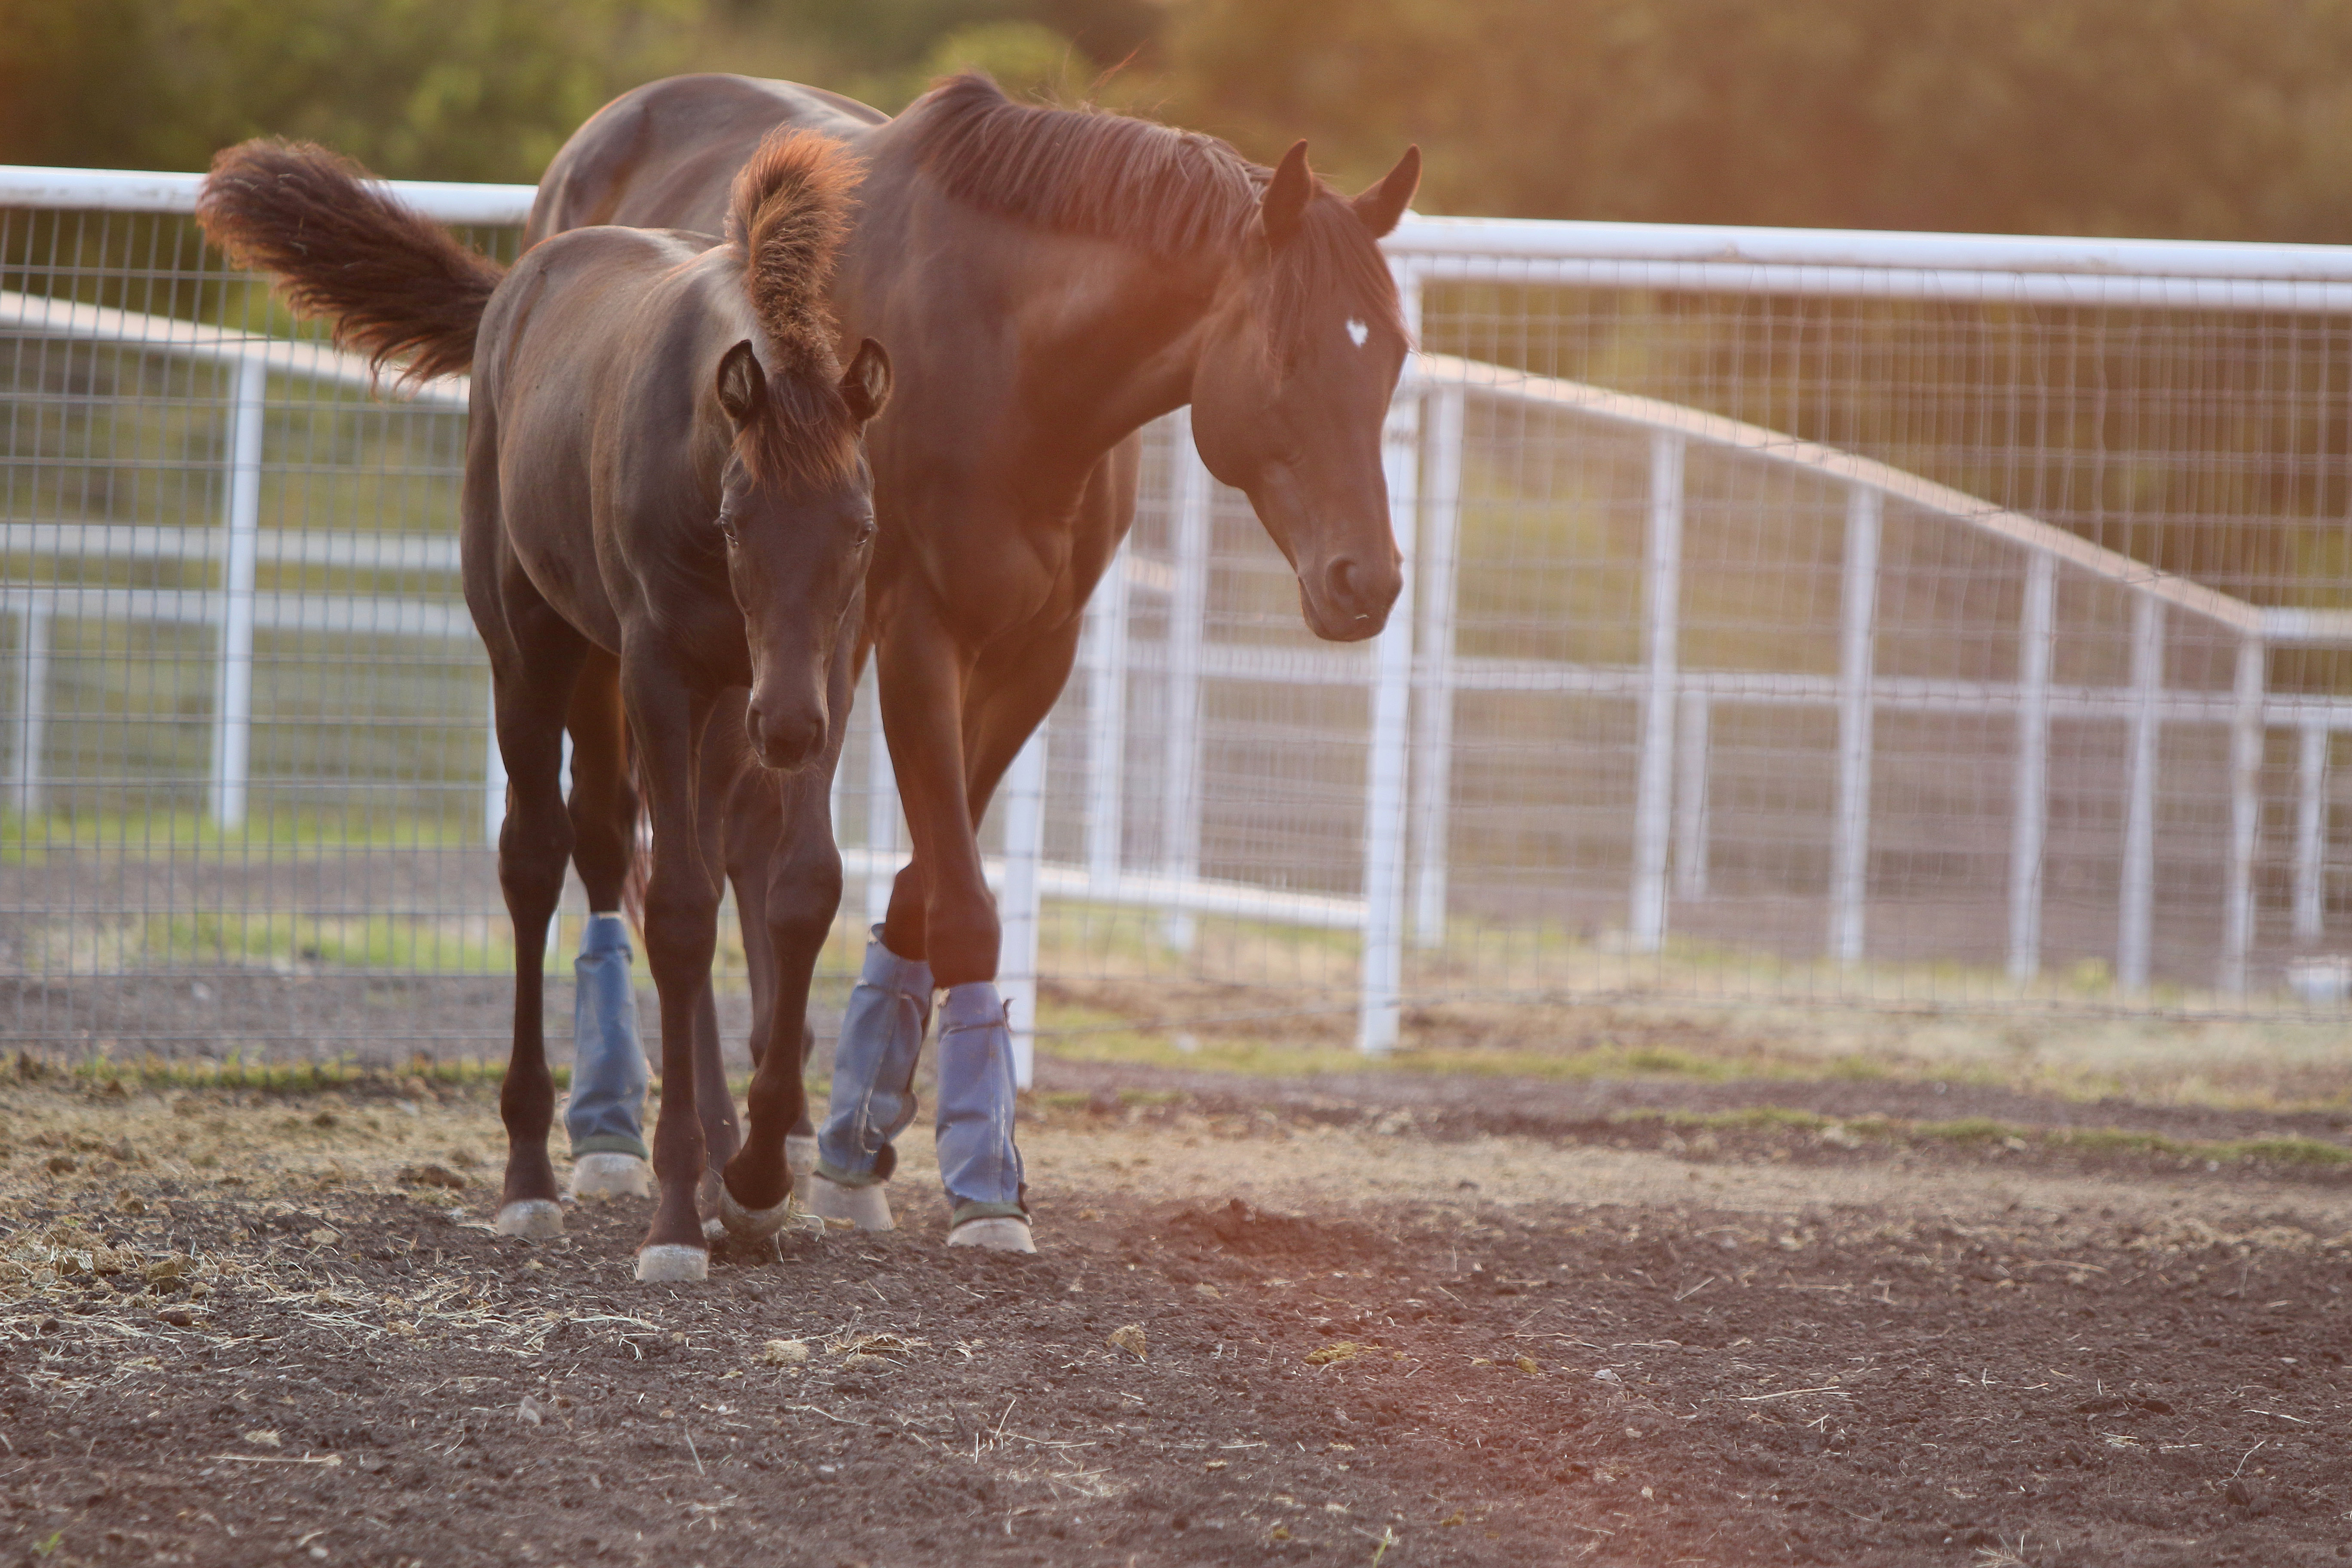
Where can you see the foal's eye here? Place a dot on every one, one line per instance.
(865, 531)
(726, 527)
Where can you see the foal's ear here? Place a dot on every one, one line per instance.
(865, 385)
(1380, 206)
(1287, 195)
(742, 384)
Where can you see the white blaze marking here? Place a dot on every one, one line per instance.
(1358, 331)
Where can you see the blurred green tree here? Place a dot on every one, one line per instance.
(2165, 116)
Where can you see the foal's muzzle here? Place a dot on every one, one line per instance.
(786, 739)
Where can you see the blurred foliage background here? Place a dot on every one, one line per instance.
(2218, 119)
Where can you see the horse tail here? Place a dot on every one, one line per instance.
(396, 285)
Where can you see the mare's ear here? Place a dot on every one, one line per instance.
(742, 384)
(1380, 206)
(1287, 195)
(865, 385)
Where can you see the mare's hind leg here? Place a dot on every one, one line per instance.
(531, 677)
(605, 1116)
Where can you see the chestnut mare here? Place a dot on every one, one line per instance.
(1046, 281)
(666, 498)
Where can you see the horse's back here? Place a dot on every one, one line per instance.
(664, 154)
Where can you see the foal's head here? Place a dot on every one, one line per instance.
(796, 508)
(1302, 353)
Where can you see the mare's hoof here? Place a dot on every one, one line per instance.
(534, 1219)
(758, 1225)
(800, 1159)
(670, 1264)
(611, 1175)
(998, 1233)
(866, 1208)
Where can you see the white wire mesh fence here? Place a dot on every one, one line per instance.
(1794, 618)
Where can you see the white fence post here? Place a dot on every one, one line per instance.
(1692, 749)
(2134, 920)
(1020, 908)
(2029, 784)
(2311, 832)
(1436, 564)
(1661, 648)
(241, 542)
(1858, 620)
(32, 704)
(2245, 812)
(1380, 1016)
(881, 809)
(1106, 616)
(494, 778)
(1190, 537)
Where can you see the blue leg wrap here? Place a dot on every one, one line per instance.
(979, 1162)
(607, 1112)
(874, 1067)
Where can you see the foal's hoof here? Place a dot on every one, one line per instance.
(670, 1264)
(998, 1233)
(866, 1208)
(534, 1219)
(758, 1225)
(800, 1159)
(611, 1175)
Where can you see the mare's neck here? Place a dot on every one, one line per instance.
(1122, 332)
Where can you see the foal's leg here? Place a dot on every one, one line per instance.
(803, 894)
(607, 1115)
(531, 674)
(754, 828)
(666, 718)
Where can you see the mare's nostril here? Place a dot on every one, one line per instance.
(1343, 581)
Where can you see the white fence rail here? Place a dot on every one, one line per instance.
(1180, 626)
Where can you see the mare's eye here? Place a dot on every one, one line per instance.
(866, 530)
(726, 527)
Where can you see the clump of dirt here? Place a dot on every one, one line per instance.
(1248, 1232)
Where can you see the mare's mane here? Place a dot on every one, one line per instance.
(1171, 192)
(787, 216)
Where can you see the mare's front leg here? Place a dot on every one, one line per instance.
(666, 718)
(950, 939)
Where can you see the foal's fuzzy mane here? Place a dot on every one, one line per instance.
(788, 215)
(1171, 192)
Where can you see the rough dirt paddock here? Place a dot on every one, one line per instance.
(1500, 1329)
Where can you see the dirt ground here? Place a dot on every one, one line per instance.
(1360, 1322)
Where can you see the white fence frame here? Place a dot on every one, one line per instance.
(1413, 672)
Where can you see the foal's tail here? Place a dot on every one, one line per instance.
(396, 284)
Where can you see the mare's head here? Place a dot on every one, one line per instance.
(1302, 343)
(796, 508)
(1301, 354)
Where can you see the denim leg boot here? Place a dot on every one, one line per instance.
(979, 1163)
(607, 1112)
(874, 1067)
